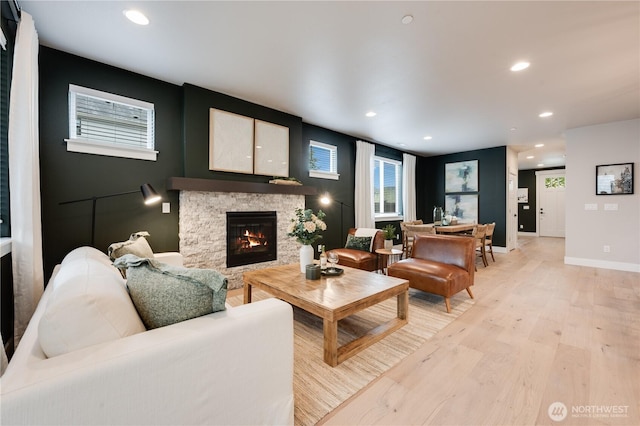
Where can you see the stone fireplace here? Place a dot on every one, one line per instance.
(204, 205)
(251, 237)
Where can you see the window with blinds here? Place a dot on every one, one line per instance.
(323, 160)
(107, 124)
(387, 188)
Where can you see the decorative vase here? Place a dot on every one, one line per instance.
(306, 257)
(437, 215)
(388, 244)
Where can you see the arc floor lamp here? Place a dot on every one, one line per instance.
(327, 200)
(150, 197)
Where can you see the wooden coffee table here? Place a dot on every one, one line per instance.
(332, 299)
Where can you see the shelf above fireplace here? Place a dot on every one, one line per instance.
(213, 185)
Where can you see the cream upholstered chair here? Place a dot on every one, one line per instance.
(488, 239)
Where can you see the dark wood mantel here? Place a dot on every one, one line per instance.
(213, 185)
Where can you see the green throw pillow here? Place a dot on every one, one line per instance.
(165, 294)
(358, 243)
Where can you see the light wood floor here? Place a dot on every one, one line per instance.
(540, 332)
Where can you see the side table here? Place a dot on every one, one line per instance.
(386, 257)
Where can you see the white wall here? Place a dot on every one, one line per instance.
(587, 232)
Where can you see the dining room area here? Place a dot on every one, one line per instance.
(448, 225)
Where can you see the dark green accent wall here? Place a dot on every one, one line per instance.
(198, 102)
(340, 190)
(69, 175)
(527, 218)
(6, 296)
(182, 137)
(492, 194)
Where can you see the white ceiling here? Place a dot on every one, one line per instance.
(445, 75)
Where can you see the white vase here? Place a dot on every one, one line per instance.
(306, 257)
(388, 244)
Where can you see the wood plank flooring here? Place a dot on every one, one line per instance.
(540, 332)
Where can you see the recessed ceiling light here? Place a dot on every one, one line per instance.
(539, 145)
(545, 114)
(136, 17)
(540, 165)
(428, 138)
(529, 157)
(371, 114)
(407, 19)
(519, 66)
(513, 129)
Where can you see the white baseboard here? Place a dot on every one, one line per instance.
(498, 249)
(604, 264)
(527, 234)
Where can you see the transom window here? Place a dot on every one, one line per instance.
(323, 160)
(107, 124)
(554, 182)
(387, 188)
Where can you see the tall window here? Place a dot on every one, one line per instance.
(323, 160)
(107, 124)
(387, 188)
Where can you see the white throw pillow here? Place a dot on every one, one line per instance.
(89, 304)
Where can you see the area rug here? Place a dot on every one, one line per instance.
(319, 388)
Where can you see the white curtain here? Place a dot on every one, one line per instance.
(365, 217)
(24, 177)
(409, 187)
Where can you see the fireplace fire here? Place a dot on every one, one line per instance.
(251, 237)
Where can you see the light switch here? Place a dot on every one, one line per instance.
(591, 206)
(611, 207)
(166, 207)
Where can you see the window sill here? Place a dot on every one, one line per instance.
(5, 246)
(86, 147)
(389, 218)
(323, 175)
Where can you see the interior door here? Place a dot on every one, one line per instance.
(551, 204)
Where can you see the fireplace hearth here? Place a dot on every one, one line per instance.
(251, 237)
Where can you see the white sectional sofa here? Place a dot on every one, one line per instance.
(230, 367)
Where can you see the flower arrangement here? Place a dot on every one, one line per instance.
(306, 226)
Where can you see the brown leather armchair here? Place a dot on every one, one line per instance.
(360, 259)
(439, 264)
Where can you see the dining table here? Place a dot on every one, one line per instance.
(460, 228)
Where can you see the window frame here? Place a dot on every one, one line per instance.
(333, 162)
(388, 216)
(89, 146)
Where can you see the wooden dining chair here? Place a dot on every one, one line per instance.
(488, 239)
(407, 237)
(479, 233)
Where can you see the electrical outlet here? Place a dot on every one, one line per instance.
(397, 236)
(606, 249)
(166, 207)
(521, 226)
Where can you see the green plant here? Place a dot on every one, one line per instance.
(389, 232)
